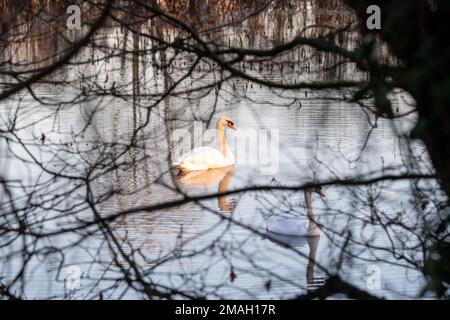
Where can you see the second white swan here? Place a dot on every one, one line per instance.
(205, 158)
(296, 225)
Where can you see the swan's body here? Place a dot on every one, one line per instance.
(296, 225)
(291, 225)
(205, 158)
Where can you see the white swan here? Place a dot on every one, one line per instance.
(296, 225)
(205, 158)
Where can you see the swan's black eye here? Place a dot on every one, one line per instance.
(230, 123)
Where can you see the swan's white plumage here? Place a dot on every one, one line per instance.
(290, 225)
(295, 224)
(203, 158)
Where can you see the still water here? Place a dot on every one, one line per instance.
(194, 247)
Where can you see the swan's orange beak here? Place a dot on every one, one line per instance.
(231, 125)
(319, 191)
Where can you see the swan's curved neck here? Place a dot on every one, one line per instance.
(309, 209)
(222, 140)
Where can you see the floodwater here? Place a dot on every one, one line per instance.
(282, 138)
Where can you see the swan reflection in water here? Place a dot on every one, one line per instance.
(312, 282)
(208, 178)
(294, 230)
